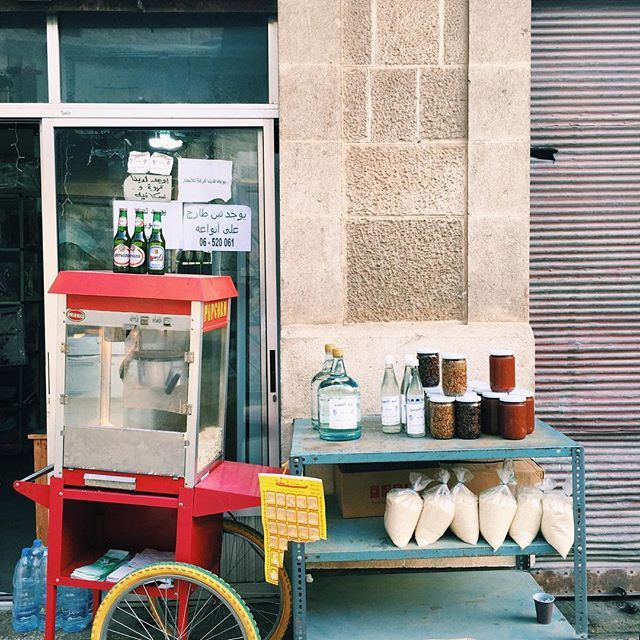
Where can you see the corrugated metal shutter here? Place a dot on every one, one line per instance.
(585, 252)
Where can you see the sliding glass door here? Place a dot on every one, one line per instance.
(99, 167)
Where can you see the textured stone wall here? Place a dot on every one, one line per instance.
(404, 184)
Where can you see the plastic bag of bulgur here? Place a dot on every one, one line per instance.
(465, 524)
(498, 508)
(437, 511)
(403, 509)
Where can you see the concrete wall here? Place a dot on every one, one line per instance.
(404, 142)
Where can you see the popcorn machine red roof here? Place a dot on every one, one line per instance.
(138, 403)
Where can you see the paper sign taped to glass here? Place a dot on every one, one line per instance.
(216, 227)
(293, 510)
(146, 187)
(204, 180)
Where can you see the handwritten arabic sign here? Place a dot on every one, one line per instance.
(204, 180)
(216, 227)
(143, 187)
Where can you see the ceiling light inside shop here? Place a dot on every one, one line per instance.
(163, 140)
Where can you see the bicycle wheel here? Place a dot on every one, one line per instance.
(173, 601)
(242, 566)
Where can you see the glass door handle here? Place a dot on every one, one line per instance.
(273, 378)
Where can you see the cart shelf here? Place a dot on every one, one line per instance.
(483, 605)
(376, 446)
(361, 539)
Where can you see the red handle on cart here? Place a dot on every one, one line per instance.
(34, 491)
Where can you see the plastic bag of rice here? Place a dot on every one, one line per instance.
(437, 511)
(498, 508)
(403, 509)
(465, 523)
(526, 523)
(557, 518)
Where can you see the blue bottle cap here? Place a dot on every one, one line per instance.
(26, 551)
(37, 543)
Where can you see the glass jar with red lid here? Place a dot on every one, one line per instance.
(513, 416)
(502, 370)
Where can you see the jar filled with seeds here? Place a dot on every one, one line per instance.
(468, 425)
(490, 414)
(513, 416)
(429, 366)
(428, 392)
(454, 374)
(442, 418)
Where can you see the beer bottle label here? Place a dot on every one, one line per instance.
(136, 258)
(121, 255)
(139, 221)
(122, 221)
(156, 258)
(157, 224)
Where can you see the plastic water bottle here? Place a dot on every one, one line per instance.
(39, 554)
(25, 602)
(75, 608)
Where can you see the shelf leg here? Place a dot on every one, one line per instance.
(298, 573)
(580, 544)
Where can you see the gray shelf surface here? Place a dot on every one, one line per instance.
(376, 446)
(361, 539)
(469, 605)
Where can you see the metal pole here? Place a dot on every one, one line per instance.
(580, 544)
(298, 573)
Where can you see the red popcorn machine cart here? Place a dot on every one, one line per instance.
(138, 402)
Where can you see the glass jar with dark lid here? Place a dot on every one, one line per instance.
(468, 416)
(513, 416)
(502, 370)
(490, 414)
(429, 366)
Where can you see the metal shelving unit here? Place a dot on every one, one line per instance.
(484, 605)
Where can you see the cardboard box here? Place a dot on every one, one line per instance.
(362, 489)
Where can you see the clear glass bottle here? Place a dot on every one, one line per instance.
(390, 399)
(339, 403)
(406, 379)
(323, 374)
(415, 404)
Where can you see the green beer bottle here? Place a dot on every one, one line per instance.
(121, 243)
(156, 246)
(138, 247)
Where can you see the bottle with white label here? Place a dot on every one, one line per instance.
(339, 403)
(406, 379)
(390, 399)
(323, 374)
(415, 404)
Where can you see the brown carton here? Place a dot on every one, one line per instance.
(361, 489)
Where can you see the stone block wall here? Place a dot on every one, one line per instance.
(404, 153)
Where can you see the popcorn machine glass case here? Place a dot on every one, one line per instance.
(142, 374)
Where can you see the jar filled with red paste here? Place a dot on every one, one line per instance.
(513, 416)
(531, 407)
(502, 371)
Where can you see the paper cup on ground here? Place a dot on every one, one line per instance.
(544, 607)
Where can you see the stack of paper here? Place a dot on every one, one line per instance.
(103, 566)
(142, 559)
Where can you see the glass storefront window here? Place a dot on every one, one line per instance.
(23, 58)
(91, 166)
(175, 58)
